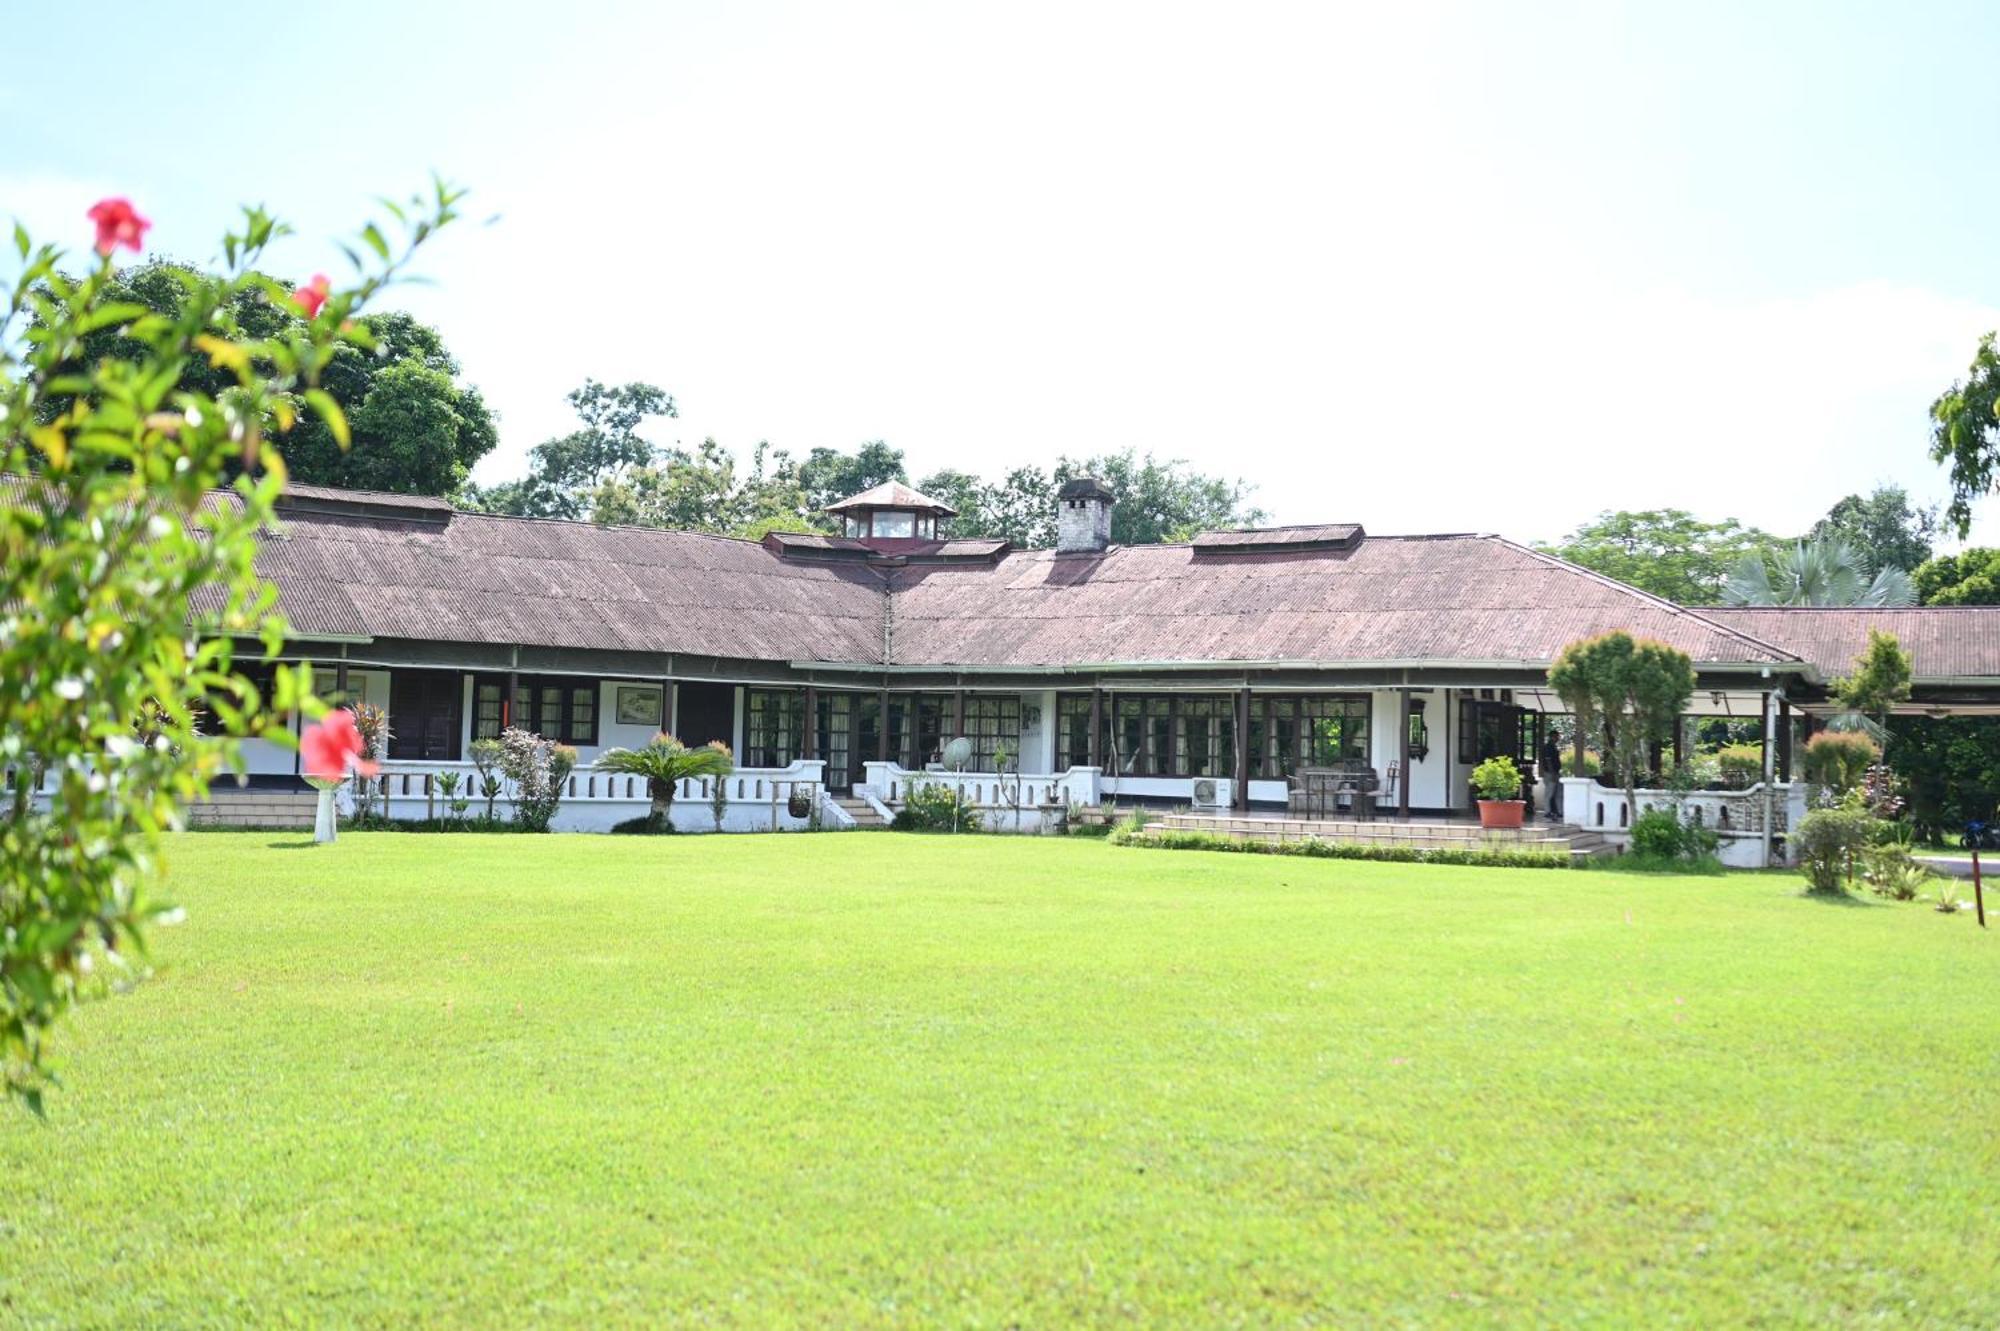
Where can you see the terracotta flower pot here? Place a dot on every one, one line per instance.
(1501, 813)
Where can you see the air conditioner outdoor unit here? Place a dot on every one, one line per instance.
(1212, 792)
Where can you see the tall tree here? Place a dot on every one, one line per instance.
(1161, 499)
(1824, 570)
(828, 475)
(1628, 690)
(701, 491)
(1970, 577)
(1020, 507)
(1884, 527)
(1965, 433)
(1666, 551)
(416, 429)
(565, 472)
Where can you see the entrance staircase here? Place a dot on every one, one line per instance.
(247, 806)
(860, 810)
(1426, 835)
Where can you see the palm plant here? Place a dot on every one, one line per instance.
(665, 763)
(1824, 571)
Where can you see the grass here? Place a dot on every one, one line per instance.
(917, 1081)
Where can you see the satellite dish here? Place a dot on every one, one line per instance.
(958, 753)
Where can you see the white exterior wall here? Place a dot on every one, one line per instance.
(264, 758)
(1602, 809)
(1438, 780)
(596, 802)
(1030, 802)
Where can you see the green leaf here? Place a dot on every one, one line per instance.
(322, 402)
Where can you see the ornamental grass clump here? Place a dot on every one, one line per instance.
(140, 461)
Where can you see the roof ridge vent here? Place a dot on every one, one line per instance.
(1279, 540)
(377, 504)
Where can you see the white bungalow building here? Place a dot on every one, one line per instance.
(1212, 672)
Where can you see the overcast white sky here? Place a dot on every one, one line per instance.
(1426, 267)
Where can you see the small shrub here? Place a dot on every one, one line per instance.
(1828, 839)
(1946, 901)
(718, 800)
(1661, 839)
(538, 768)
(448, 784)
(1740, 764)
(1891, 871)
(1497, 779)
(1839, 759)
(486, 755)
(936, 806)
(1657, 835)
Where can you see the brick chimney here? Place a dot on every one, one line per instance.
(1083, 516)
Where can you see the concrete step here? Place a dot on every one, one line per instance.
(860, 810)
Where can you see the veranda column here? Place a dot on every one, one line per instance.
(1240, 797)
(1096, 743)
(1403, 755)
(882, 728)
(1785, 740)
(1770, 756)
(340, 682)
(809, 742)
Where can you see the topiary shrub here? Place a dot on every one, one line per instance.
(1827, 840)
(1839, 759)
(1741, 764)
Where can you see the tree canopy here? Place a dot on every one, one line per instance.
(1666, 551)
(1970, 577)
(566, 472)
(1880, 678)
(1159, 499)
(415, 428)
(1883, 527)
(608, 471)
(1627, 689)
(1965, 433)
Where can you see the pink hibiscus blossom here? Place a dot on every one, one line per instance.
(333, 746)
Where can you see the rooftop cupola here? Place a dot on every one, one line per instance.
(889, 516)
(1083, 516)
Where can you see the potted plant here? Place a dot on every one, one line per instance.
(1497, 782)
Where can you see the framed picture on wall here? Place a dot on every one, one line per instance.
(639, 705)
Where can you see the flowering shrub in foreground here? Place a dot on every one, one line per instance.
(126, 582)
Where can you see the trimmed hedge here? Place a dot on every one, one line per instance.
(1313, 848)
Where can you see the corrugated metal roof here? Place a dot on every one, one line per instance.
(1466, 598)
(488, 579)
(482, 578)
(1944, 642)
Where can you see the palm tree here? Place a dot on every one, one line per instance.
(665, 763)
(1824, 571)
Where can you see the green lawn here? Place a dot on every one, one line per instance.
(892, 1080)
